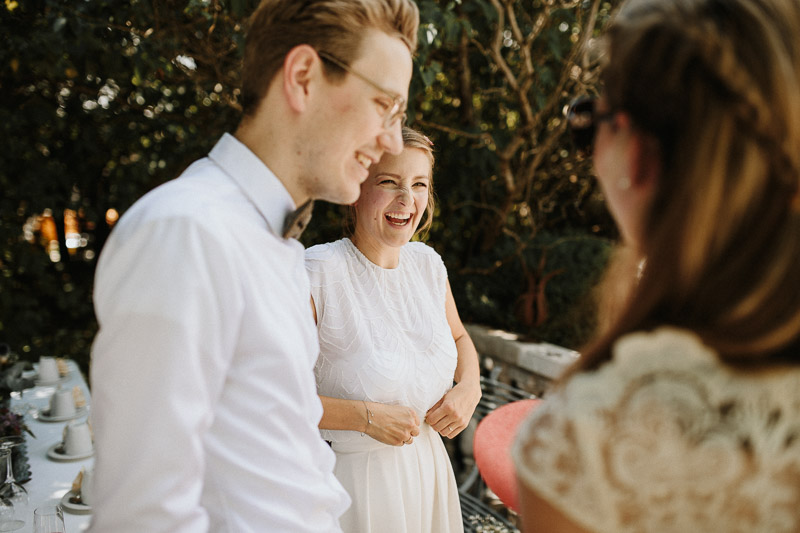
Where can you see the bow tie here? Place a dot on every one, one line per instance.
(297, 220)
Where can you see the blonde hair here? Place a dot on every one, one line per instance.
(333, 26)
(716, 85)
(417, 141)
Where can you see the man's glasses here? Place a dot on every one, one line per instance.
(394, 113)
(582, 120)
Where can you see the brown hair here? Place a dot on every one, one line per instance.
(715, 84)
(335, 26)
(418, 141)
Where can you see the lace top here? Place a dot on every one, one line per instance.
(666, 438)
(383, 333)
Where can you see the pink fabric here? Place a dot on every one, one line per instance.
(492, 448)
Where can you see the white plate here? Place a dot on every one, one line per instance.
(44, 415)
(74, 508)
(55, 455)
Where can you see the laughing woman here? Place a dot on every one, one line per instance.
(392, 345)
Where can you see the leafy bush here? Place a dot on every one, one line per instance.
(104, 100)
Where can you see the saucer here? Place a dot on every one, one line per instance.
(55, 453)
(44, 415)
(49, 383)
(74, 508)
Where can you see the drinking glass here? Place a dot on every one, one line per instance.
(7, 520)
(48, 519)
(10, 489)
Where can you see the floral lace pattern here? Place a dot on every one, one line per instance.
(383, 333)
(665, 438)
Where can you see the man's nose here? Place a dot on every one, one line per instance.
(391, 140)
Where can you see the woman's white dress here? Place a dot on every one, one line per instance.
(666, 438)
(384, 337)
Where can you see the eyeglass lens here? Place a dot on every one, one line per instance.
(581, 123)
(394, 113)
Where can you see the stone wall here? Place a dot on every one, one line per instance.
(530, 366)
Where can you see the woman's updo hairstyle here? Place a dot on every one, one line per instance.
(715, 86)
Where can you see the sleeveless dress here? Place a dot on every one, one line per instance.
(384, 337)
(666, 438)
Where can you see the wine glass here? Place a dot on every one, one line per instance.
(10, 489)
(9, 513)
(48, 519)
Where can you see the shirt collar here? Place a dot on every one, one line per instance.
(256, 180)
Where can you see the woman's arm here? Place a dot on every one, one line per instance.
(390, 424)
(450, 415)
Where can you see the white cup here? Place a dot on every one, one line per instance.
(77, 439)
(48, 369)
(62, 403)
(87, 486)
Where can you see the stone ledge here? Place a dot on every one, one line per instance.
(541, 358)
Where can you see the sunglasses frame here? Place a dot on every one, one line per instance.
(582, 121)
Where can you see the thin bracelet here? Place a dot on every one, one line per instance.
(369, 418)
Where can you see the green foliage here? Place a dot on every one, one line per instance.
(103, 100)
(98, 107)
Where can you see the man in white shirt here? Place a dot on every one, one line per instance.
(204, 401)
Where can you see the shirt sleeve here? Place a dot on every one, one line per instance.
(166, 314)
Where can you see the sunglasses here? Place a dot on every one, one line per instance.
(582, 121)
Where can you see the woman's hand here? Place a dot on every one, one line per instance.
(450, 415)
(392, 424)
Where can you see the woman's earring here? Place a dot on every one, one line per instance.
(624, 183)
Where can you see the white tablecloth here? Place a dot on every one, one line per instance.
(50, 480)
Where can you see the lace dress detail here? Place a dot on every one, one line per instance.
(665, 438)
(384, 337)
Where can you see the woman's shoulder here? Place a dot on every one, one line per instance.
(648, 348)
(420, 248)
(664, 403)
(419, 252)
(326, 253)
(327, 263)
(664, 349)
(659, 360)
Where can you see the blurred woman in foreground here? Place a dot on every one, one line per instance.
(684, 414)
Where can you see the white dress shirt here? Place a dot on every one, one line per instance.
(205, 409)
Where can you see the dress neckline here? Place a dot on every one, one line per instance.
(364, 260)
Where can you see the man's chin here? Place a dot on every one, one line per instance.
(342, 197)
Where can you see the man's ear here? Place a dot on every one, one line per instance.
(300, 66)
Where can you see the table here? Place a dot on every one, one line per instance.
(50, 480)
